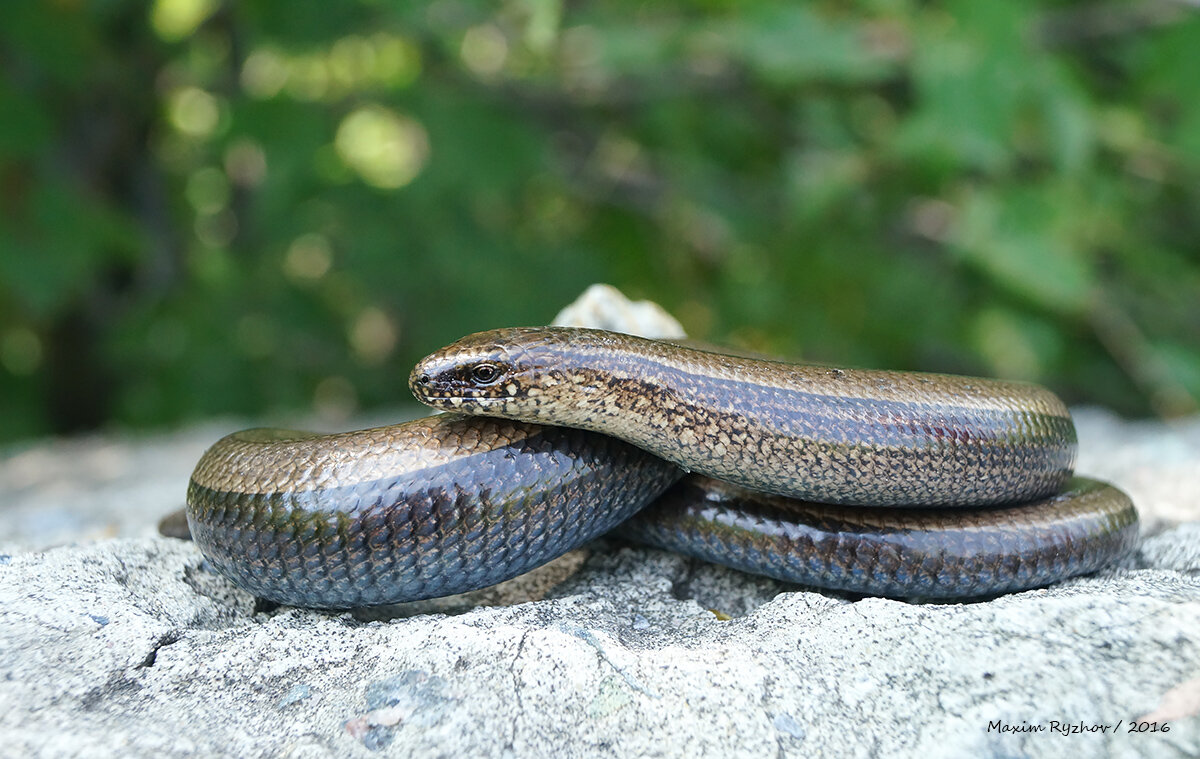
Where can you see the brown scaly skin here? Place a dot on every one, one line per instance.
(452, 503)
(822, 434)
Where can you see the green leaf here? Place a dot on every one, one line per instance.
(1013, 238)
(791, 43)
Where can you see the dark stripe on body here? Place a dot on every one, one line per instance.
(846, 450)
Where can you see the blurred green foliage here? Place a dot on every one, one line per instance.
(210, 206)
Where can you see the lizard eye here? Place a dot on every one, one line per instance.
(485, 374)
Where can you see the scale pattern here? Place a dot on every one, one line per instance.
(901, 553)
(452, 503)
(832, 435)
(429, 508)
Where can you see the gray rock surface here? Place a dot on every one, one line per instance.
(117, 643)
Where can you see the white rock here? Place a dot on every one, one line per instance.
(606, 307)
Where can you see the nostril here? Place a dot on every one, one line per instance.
(423, 379)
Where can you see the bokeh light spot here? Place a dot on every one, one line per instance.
(372, 336)
(246, 163)
(352, 64)
(397, 61)
(264, 73)
(352, 61)
(484, 49)
(309, 78)
(175, 19)
(386, 149)
(308, 258)
(194, 111)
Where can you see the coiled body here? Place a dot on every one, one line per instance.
(452, 503)
(829, 435)
(904, 553)
(427, 508)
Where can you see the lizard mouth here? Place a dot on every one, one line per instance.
(459, 399)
